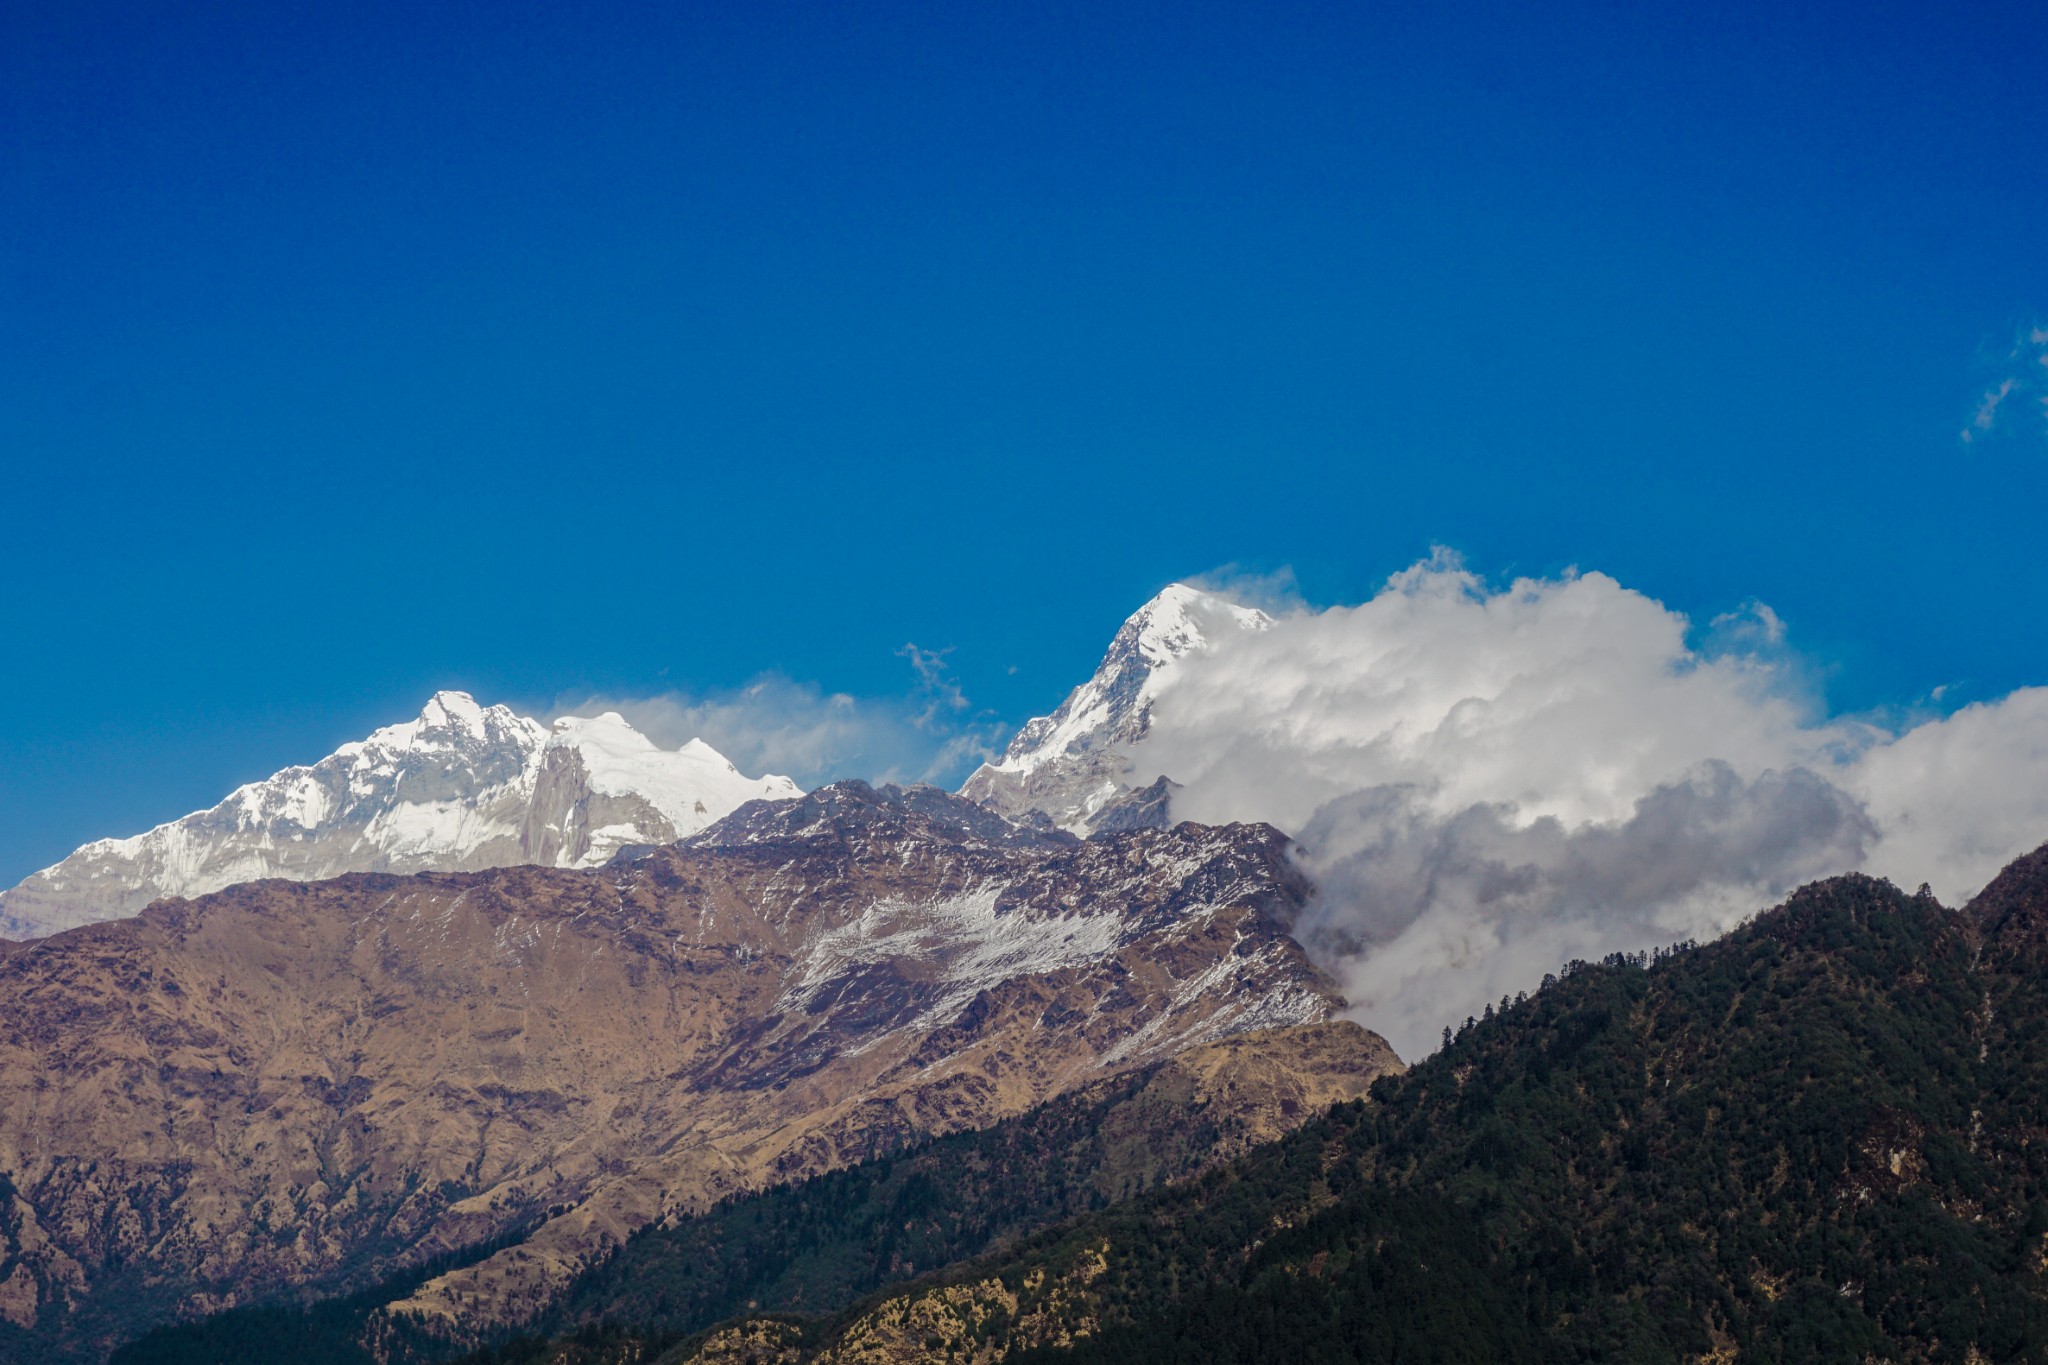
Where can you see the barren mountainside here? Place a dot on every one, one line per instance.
(306, 1082)
(817, 1244)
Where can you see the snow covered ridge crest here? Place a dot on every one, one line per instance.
(1071, 764)
(460, 787)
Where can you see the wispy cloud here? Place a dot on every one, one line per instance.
(2017, 401)
(1276, 593)
(929, 732)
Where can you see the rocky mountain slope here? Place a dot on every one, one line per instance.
(290, 1083)
(1069, 766)
(1824, 1137)
(816, 1245)
(460, 787)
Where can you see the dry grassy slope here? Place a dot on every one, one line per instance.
(286, 1081)
(1262, 1084)
(1235, 1093)
(1238, 1092)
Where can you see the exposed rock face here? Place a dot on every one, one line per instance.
(1071, 764)
(461, 787)
(1148, 807)
(287, 1082)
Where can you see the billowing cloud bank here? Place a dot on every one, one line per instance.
(1488, 783)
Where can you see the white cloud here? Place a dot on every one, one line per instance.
(1986, 416)
(1568, 697)
(1488, 782)
(1958, 798)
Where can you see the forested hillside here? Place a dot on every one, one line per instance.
(1822, 1138)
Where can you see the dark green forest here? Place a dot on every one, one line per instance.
(1824, 1138)
(317, 1332)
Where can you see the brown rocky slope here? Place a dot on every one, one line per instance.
(314, 1083)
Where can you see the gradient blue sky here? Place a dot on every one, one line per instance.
(347, 352)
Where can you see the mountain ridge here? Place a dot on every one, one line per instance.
(296, 1082)
(463, 787)
(1071, 765)
(460, 787)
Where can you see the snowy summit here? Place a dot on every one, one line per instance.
(457, 788)
(1071, 764)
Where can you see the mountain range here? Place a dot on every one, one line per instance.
(305, 1083)
(462, 787)
(549, 1044)
(1819, 1138)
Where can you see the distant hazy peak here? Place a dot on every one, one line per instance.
(460, 786)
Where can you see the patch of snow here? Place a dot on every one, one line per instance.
(967, 944)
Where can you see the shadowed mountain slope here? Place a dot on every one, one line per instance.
(1822, 1138)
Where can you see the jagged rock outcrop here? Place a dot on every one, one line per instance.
(295, 1082)
(1072, 764)
(459, 788)
(1148, 807)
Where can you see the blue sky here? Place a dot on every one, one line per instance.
(350, 353)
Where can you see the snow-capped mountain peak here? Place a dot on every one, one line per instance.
(603, 785)
(1070, 764)
(1182, 620)
(459, 787)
